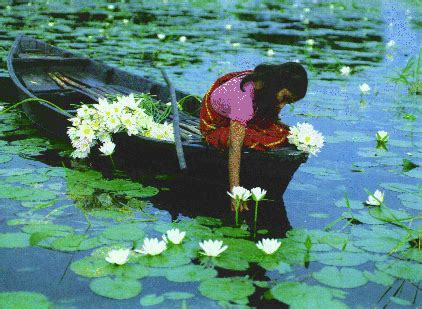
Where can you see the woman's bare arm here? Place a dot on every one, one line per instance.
(236, 137)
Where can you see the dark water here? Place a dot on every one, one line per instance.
(352, 33)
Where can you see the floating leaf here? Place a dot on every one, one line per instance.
(300, 295)
(143, 192)
(408, 165)
(345, 278)
(227, 289)
(151, 300)
(231, 232)
(125, 232)
(68, 243)
(51, 229)
(379, 277)
(178, 295)
(341, 258)
(25, 194)
(209, 221)
(118, 288)
(402, 269)
(133, 271)
(14, 240)
(27, 178)
(413, 254)
(5, 158)
(354, 204)
(12, 300)
(190, 273)
(415, 173)
(400, 301)
(413, 201)
(92, 267)
(163, 260)
(386, 214)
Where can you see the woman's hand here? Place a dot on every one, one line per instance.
(243, 206)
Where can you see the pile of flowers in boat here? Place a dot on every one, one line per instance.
(94, 124)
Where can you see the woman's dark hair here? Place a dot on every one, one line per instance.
(290, 75)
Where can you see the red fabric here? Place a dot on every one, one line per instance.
(260, 135)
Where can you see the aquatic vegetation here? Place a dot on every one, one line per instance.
(410, 75)
(306, 138)
(118, 257)
(269, 246)
(376, 199)
(152, 246)
(382, 136)
(390, 44)
(212, 248)
(258, 195)
(364, 88)
(345, 70)
(270, 52)
(239, 194)
(175, 236)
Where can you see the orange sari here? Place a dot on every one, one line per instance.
(260, 134)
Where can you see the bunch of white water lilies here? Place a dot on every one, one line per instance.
(306, 138)
(98, 122)
(155, 246)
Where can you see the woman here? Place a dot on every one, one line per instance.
(241, 109)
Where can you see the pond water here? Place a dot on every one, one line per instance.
(59, 217)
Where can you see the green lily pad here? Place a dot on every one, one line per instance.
(28, 178)
(5, 158)
(399, 187)
(415, 173)
(354, 204)
(300, 295)
(143, 192)
(412, 201)
(115, 185)
(231, 232)
(125, 232)
(402, 269)
(341, 258)
(118, 288)
(25, 194)
(12, 300)
(133, 271)
(227, 289)
(229, 262)
(400, 301)
(345, 278)
(163, 260)
(68, 243)
(14, 240)
(380, 239)
(208, 221)
(51, 229)
(190, 273)
(379, 277)
(362, 216)
(413, 254)
(322, 173)
(151, 300)
(16, 171)
(178, 295)
(386, 214)
(92, 267)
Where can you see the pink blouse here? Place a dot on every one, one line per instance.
(230, 101)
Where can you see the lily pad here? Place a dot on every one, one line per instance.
(133, 271)
(190, 273)
(151, 300)
(118, 288)
(354, 204)
(341, 258)
(125, 232)
(231, 232)
(25, 194)
(5, 158)
(300, 295)
(163, 260)
(178, 295)
(402, 269)
(413, 201)
(227, 289)
(12, 300)
(28, 178)
(386, 214)
(208, 221)
(92, 267)
(14, 240)
(51, 229)
(379, 277)
(68, 243)
(345, 278)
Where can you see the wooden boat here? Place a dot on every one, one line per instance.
(40, 70)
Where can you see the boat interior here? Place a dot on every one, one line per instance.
(69, 81)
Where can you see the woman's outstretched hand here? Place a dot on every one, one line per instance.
(243, 206)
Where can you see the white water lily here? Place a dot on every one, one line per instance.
(270, 52)
(107, 148)
(376, 199)
(239, 193)
(258, 194)
(269, 246)
(1, 108)
(310, 42)
(391, 44)
(236, 44)
(111, 7)
(382, 136)
(182, 39)
(152, 246)
(364, 88)
(174, 235)
(212, 247)
(345, 70)
(228, 27)
(306, 138)
(118, 257)
(161, 36)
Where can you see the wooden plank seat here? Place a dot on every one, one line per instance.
(51, 61)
